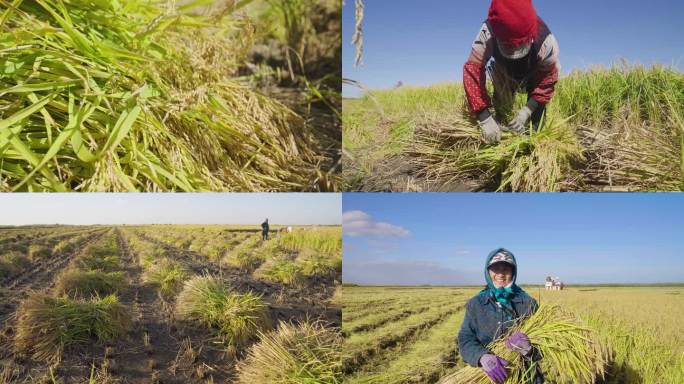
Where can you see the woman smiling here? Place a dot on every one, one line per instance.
(493, 311)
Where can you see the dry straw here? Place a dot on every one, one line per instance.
(571, 351)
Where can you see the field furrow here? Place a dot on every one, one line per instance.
(362, 346)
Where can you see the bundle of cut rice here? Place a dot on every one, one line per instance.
(571, 352)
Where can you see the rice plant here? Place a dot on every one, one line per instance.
(236, 317)
(572, 352)
(86, 284)
(139, 96)
(46, 325)
(294, 354)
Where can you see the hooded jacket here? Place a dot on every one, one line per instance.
(485, 320)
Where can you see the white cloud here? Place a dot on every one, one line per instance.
(359, 223)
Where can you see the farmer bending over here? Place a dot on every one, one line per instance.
(524, 56)
(264, 230)
(493, 311)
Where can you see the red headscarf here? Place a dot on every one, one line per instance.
(513, 21)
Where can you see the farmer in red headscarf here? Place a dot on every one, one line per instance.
(525, 56)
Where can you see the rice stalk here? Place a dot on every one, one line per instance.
(357, 38)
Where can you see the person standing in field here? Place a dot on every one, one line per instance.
(491, 313)
(264, 230)
(518, 52)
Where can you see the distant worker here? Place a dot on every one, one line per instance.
(491, 313)
(524, 56)
(264, 230)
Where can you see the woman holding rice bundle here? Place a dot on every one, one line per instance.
(491, 313)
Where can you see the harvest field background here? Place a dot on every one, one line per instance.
(169, 96)
(404, 334)
(148, 303)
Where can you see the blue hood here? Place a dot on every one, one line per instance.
(488, 279)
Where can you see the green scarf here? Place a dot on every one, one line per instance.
(503, 296)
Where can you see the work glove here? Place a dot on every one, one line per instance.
(519, 342)
(494, 367)
(490, 130)
(519, 122)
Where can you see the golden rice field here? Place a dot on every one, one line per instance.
(408, 334)
(169, 304)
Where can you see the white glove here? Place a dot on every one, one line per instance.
(490, 130)
(519, 123)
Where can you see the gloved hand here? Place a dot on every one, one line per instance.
(494, 367)
(519, 122)
(490, 130)
(519, 342)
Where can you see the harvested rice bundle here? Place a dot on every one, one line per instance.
(37, 251)
(130, 96)
(12, 262)
(571, 352)
(46, 325)
(281, 271)
(542, 161)
(294, 354)
(237, 317)
(168, 275)
(86, 284)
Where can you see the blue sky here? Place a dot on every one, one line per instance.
(427, 41)
(174, 208)
(440, 238)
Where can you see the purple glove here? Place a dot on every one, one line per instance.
(494, 367)
(519, 342)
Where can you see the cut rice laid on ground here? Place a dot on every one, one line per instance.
(139, 96)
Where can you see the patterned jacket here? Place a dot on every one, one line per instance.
(543, 73)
